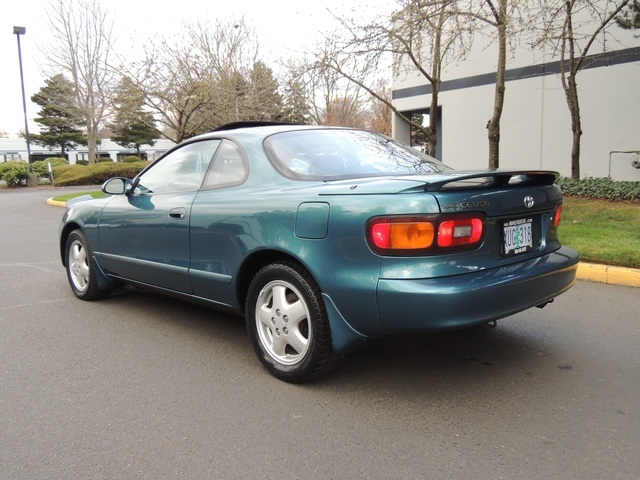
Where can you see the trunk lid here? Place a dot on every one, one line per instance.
(493, 192)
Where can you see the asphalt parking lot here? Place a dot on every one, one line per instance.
(138, 386)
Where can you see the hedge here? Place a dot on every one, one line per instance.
(600, 188)
(131, 159)
(95, 174)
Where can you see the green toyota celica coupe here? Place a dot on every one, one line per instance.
(322, 238)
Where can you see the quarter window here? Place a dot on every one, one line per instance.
(229, 167)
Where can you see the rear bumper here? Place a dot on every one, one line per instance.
(473, 298)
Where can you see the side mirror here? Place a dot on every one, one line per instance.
(116, 186)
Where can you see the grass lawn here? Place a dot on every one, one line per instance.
(602, 232)
(69, 196)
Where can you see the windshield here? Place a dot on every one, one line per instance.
(329, 154)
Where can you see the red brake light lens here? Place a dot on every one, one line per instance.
(557, 216)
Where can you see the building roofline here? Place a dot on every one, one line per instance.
(614, 57)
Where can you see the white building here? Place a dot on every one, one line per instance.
(16, 149)
(535, 124)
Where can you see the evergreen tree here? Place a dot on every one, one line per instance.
(295, 99)
(132, 125)
(629, 18)
(59, 117)
(265, 102)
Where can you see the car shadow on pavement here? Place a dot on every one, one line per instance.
(479, 361)
(471, 360)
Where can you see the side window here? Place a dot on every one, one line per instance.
(229, 167)
(181, 170)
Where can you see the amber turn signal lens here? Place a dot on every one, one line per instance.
(404, 235)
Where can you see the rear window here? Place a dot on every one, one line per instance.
(330, 154)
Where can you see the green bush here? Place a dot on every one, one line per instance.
(105, 159)
(41, 167)
(601, 188)
(82, 162)
(131, 159)
(95, 174)
(14, 173)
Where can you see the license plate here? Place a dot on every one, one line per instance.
(518, 236)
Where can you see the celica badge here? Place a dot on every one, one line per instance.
(528, 201)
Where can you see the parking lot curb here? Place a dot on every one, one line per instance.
(591, 272)
(56, 203)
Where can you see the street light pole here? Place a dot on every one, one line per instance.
(21, 31)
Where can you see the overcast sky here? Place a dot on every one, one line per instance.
(282, 26)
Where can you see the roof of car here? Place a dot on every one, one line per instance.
(257, 128)
(251, 124)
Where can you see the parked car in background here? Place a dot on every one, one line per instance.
(322, 238)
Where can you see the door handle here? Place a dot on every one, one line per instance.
(177, 213)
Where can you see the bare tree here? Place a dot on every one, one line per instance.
(346, 112)
(209, 75)
(427, 35)
(228, 51)
(175, 82)
(497, 16)
(422, 36)
(379, 119)
(81, 48)
(572, 27)
(335, 100)
(504, 21)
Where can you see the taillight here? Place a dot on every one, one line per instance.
(557, 216)
(403, 235)
(464, 231)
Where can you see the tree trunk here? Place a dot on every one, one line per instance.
(571, 93)
(435, 88)
(494, 123)
(568, 72)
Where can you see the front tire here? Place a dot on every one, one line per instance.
(288, 325)
(82, 270)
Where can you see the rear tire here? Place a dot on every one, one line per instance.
(288, 325)
(82, 270)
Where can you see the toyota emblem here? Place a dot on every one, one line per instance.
(528, 201)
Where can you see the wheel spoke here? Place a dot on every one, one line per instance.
(297, 341)
(265, 314)
(296, 313)
(84, 271)
(80, 254)
(279, 294)
(279, 346)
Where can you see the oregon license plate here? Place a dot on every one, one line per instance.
(518, 236)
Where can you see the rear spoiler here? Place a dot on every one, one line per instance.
(492, 179)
